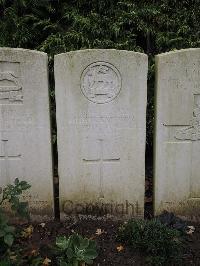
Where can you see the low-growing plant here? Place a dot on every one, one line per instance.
(160, 244)
(76, 250)
(172, 221)
(11, 195)
(6, 232)
(20, 255)
(5, 262)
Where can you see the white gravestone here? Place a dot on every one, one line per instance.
(177, 151)
(25, 142)
(101, 110)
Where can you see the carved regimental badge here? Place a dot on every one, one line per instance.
(100, 82)
(10, 88)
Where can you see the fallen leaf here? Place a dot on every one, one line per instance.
(46, 261)
(99, 231)
(42, 225)
(120, 248)
(27, 232)
(190, 229)
(34, 252)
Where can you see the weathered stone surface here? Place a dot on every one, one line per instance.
(101, 110)
(25, 143)
(177, 139)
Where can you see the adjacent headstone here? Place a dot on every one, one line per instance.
(101, 122)
(25, 142)
(177, 151)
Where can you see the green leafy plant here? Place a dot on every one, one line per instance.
(76, 250)
(161, 244)
(11, 195)
(5, 262)
(172, 221)
(6, 231)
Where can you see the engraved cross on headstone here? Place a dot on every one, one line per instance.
(7, 157)
(100, 161)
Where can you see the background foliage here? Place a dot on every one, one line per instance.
(56, 26)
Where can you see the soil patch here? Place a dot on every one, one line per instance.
(44, 236)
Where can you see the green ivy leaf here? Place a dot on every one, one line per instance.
(9, 229)
(24, 185)
(84, 243)
(16, 181)
(70, 253)
(5, 262)
(62, 242)
(2, 233)
(63, 263)
(89, 262)
(9, 239)
(90, 254)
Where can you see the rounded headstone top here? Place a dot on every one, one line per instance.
(101, 52)
(178, 52)
(22, 50)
